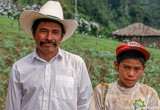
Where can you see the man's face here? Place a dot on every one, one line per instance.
(46, 35)
(130, 71)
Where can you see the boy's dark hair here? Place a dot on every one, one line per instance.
(37, 22)
(131, 54)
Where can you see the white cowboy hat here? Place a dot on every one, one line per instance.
(51, 10)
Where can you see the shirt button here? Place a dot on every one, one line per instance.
(47, 92)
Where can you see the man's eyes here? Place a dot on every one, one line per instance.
(55, 32)
(43, 30)
(126, 67)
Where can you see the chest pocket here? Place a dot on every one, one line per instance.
(64, 87)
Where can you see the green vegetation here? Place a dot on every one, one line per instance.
(109, 14)
(99, 58)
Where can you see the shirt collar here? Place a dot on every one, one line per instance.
(126, 90)
(35, 55)
(59, 53)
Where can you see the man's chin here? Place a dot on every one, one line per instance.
(48, 50)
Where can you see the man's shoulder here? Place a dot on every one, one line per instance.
(24, 60)
(71, 56)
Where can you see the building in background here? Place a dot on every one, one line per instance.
(139, 32)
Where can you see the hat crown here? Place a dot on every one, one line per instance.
(133, 45)
(53, 9)
(50, 10)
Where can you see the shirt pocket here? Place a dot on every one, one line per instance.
(64, 87)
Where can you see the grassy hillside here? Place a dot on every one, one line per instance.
(99, 59)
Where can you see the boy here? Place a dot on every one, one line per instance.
(127, 93)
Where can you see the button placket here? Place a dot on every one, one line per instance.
(47, 86)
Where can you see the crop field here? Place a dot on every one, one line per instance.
(99, 57)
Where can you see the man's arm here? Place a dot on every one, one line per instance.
(85, 88)
(14, 94)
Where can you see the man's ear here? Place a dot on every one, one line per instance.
(63, 35)
(33, 34)
(116, 65)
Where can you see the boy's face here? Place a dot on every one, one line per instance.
(130, 71)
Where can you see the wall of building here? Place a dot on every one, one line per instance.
(147, 41)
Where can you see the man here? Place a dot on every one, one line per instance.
(127, 93)
(49, 78)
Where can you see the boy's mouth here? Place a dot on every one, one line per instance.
(130, 80)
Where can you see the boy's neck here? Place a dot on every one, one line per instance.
(121, 84)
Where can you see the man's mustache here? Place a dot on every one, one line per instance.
(47, 41)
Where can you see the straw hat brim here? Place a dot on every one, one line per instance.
(28, 17)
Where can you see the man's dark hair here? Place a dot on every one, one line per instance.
(37, 22)
(131, 54)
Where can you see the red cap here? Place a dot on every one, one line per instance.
(132, 45)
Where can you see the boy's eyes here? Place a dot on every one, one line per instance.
(136, 68)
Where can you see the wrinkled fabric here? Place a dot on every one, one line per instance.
(61, 84)
(119, 98)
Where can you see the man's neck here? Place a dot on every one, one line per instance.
(47, 56)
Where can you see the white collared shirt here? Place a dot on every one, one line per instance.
(61, 84)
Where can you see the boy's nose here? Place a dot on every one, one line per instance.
(131, 73)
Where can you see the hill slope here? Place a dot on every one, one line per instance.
(99, 59)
